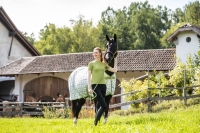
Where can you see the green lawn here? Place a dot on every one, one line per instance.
(180, 121)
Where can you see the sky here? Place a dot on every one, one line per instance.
(32, 15)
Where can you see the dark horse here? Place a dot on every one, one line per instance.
(78, 81)
(110, 54)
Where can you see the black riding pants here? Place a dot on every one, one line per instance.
(100, 91)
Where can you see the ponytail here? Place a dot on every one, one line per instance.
(101, 58)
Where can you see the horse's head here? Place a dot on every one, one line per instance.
(111, 49)
(111, 52)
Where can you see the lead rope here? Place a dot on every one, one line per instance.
(92, 96)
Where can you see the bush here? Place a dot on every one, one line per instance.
(163, 106)
(52, 112)
(87, 113)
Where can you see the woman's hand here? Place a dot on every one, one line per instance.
(90, 90)
(114, 69)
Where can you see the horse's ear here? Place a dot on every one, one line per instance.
(115, 37)
(107, 38)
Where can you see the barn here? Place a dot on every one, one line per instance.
(44, 77)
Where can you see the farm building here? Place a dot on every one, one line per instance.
(43, 77)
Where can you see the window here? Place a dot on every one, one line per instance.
(188, 39)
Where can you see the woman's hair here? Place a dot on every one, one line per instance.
(100, 51)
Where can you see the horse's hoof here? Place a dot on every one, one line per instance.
(75, 121)
(105, 120)
(95, 122)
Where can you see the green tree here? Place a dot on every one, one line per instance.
(163, 40)
(30, 38)
(178, 16)
(85, 36)
(148, 24)
(82, 37)
(192, 12)
(54, 40)
(140, 26)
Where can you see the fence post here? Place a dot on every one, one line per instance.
(149, 95)
(159, 88)
(67, 102)
(184, 88)
(20, 109)
(149, 100)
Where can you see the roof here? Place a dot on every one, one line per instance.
(13, 31)
(186, 27)
(128, 60)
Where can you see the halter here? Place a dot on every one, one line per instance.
(110, 53)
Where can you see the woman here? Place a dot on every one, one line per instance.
(96, 81)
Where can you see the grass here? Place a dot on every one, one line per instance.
(177, 121)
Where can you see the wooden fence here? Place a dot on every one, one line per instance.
(149, 98)
(27, 108)
(35, 108)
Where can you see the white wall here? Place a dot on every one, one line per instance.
(183, 48)
(17, 50)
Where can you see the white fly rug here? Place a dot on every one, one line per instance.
(77, 83)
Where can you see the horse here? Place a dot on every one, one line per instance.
(77, 82)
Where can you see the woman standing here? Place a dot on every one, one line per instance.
(96, 80)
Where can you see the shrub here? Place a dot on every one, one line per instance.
(52, 112)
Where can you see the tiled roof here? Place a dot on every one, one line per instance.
(186, 27)
(129, 60)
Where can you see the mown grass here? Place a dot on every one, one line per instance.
(184, 120)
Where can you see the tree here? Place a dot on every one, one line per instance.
(85, 36)
(163, 40)
(148, 24)
(82, 37)
(54, 40)
(140, 26)
(178, 16)
(192, 13)
(30, 38)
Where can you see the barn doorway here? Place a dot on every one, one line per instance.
(6, 90)
(46, 88)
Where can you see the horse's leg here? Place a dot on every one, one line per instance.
(81, 102)
(74, 104)
(76, 108)
(107, 100)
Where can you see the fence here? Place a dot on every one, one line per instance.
(187, 78)
(192, 76)
(149, 98)
(27, 108)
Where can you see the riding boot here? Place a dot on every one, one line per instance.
(98, 116)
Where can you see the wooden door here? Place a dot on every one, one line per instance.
(46, 86)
